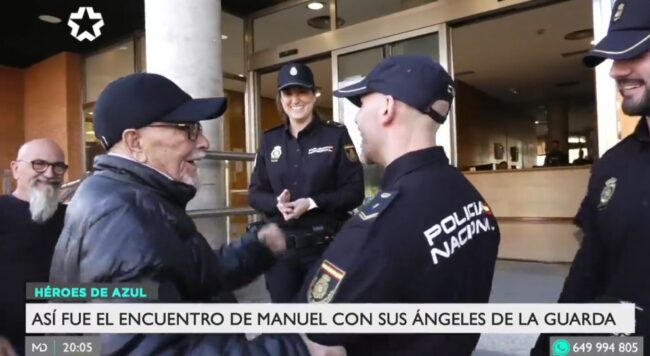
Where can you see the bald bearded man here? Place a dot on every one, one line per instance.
(31, 220)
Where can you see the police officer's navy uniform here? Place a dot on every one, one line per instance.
(320, 163)
(427, 237)
(613, 264)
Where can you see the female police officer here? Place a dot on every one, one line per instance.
(307, 177)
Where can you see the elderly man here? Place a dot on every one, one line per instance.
(127, 222)
(428, 236)
(31, 220)
(612, 263)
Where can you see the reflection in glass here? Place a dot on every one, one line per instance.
(102, 68)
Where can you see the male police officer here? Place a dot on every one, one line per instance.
(428, 236)
(612, 263)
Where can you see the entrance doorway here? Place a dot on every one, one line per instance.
(521, 86)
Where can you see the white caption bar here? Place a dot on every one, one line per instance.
(58, 318)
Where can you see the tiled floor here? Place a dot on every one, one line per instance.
(514, 282)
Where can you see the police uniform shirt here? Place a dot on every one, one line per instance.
(321, 163)
(614, 259)
(427, 237)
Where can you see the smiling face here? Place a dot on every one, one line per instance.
(169, 150)
(298, 103)
(633, 80)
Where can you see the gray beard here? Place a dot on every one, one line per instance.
(43, 202)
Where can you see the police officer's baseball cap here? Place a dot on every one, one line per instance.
(295, 74)
(628, 35)
(417, 81)
(137, 100)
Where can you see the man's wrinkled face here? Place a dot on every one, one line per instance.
(170, 150)
(367, 119)
(633, 79)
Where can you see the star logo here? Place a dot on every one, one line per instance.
(91, 26)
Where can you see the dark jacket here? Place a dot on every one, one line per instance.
(321, 163)
(612, 264)
(127, 223)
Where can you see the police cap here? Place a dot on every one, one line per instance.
(295, 74)
(417, 81)
(628, 35)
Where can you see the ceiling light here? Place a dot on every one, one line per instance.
(224, 37)
(123, 48)
(315, 5)
(240, 75)
(49, 19)
(579, 35)
(536, 122)
(513, 91)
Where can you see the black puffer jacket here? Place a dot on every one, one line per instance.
(127, 223)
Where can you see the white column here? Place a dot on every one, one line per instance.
(183, 43)
(608, 130)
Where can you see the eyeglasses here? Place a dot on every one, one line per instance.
(40, 166)
(193, 130)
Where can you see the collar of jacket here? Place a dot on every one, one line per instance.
(315, 122)
(410, 162)
(641, 132)
(133, 172)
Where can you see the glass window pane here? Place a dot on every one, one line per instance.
(232, 42)
(355, 11)
(353, 67)
(426, 45)
(102, 68)
(289, 25)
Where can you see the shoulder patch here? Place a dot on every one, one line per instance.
(351, 153)
(325, 283)
(376, 205)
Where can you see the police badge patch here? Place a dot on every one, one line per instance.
(619, 12)
(351, 153)
(607, 192)
(325, 283)
(276, 153)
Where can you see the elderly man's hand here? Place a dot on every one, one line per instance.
(321, 350)
(5, 347)
(273, 238)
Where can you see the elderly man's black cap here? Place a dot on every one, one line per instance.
(137, 100)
